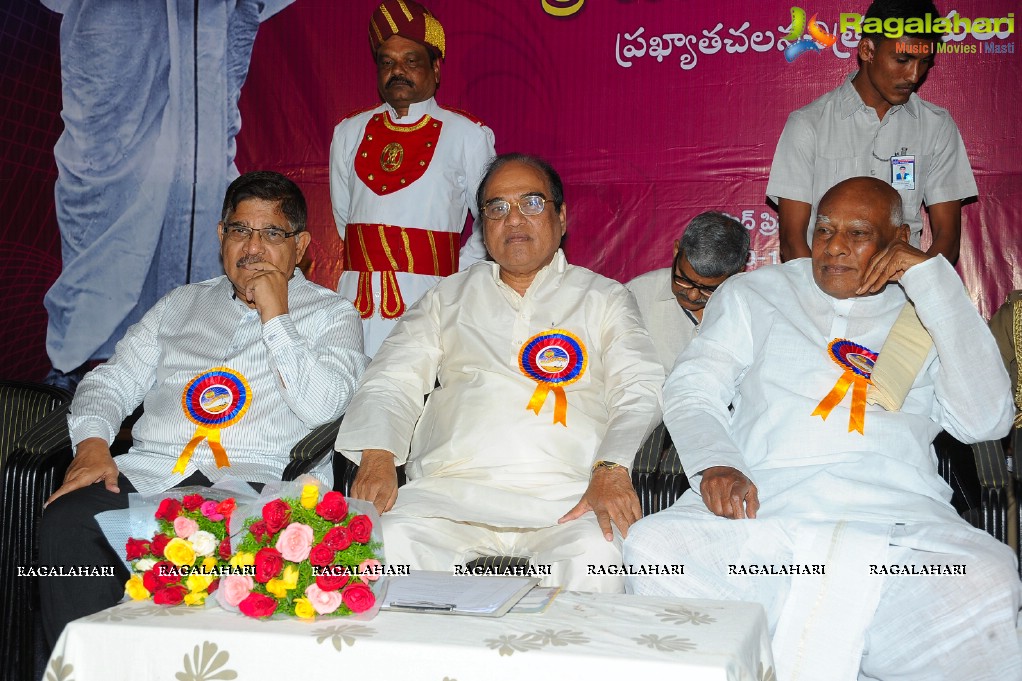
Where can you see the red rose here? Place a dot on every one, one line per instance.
(192, 501)
(333, 507)
(157, 545)
(213, 586)
(226, 507)
(338, 538)
(268, 564)
(170, 595)
(149, 581)
(259, 531)
(258, 605)
(136, 548)
(358, 597)
(166, 573)
(225, 549)
(321, 554)
(168, 510)
(361, 528)
(335, 579)
(276, 514)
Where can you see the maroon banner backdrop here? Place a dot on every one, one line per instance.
(652, 110)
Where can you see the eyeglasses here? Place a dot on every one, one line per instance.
(686, 283)
(531, 204)
(273, 236)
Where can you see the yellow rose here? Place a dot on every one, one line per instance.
(208, 564)
(310, 496)
(197, 582)
(304, 609)
(277, 588)
(180, 552)
(290, 577)
(195, 598)
(241, 559)
(135, 589)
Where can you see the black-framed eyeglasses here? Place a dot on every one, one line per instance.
(270, 235)
(530, 204)
(686, 283)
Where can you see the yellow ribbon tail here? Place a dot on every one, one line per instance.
(202, 433)
(186, 453)
(834, 397)
(560, 406)
(538, 398)
(219, 453)
(857, 419)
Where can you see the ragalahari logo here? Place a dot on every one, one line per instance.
(562, 8)
(819, 38)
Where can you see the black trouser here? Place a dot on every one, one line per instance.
(70, 536)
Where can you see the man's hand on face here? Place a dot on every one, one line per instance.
(728, 493)
(266, 288)
(92, 463)
(888, 265)
(611, 497)
(376, 480)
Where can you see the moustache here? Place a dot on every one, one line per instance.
(248, 260)
(398, 79)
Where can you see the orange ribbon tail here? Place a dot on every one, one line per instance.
(857, 419)
(560, 402)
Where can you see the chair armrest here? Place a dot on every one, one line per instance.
(312, 449)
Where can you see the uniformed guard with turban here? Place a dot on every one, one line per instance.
(403, 175)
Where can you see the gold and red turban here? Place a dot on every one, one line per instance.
(407, 19)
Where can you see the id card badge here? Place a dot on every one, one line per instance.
(903, 172)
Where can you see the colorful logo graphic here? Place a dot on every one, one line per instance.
(819, 38)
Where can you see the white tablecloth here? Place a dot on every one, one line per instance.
(581, 636)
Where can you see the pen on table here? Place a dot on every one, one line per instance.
(422, 605)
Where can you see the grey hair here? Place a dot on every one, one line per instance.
(715, 245)
(897, 214)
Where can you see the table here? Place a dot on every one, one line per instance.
(581, 635)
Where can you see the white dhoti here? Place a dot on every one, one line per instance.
(560, 555)
(956, 620)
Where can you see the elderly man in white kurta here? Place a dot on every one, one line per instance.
(547, 386)
(403, 174)
(818, 503)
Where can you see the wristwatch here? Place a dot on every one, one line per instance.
(605, 464)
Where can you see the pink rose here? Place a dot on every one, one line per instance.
(185, 527)
(358, 597)
(295, 542)
(369, 570)
(323, 602)
(208, 509)
(235, 588)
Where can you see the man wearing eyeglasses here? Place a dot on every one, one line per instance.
(232, 372)
(547, 386)
(402, 175)
(713, 247)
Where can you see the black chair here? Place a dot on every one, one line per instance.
(39, 458)
(34, 423)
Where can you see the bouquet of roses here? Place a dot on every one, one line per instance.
(185, 558)
(307, 556)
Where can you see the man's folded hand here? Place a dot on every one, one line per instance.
(376, 480)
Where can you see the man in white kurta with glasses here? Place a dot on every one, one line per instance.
(547, 384)
(819, 496)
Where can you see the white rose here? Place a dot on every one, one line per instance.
(145, 565)
(203, 542)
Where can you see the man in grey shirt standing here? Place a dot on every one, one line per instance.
(874, 125)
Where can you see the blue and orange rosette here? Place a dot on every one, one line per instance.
(213, 401)
(553, 359)
(857, 362)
